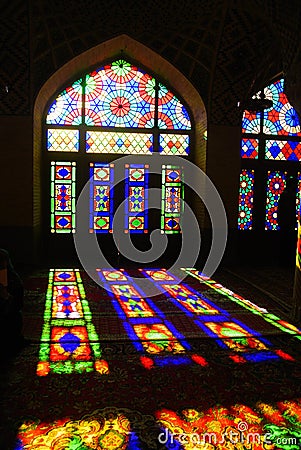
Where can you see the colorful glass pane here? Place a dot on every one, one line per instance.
(275, 186)
(120, 95)
(101, 197)
(298, 200)
(283, 150)
(136, 198)
(249, 148)
(62, 197)
(67, 107)
(172, 199)
(251, 122)
(114, 142)
(69, 342)
(174, 144)
(281, 118)
(245, 202)
(62, 140)
(172, 114)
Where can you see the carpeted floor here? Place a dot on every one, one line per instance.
(221, 390)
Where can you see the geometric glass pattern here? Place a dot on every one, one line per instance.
(245, 203)
(249, 148)
(275, 186)
(171, 112)
(101, 197)
(120, 95)
(172, 199)
(67, 108)
(281, 118)
(283, 150)
(62, 197)
(174, 144)
(251, 122)
(62, 140)
(298, 201)
(136, 198)
(119, 142)
(69, 342)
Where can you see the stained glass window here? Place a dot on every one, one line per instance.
(62, 197)
(246, 194)
(116, 109)
(136, 195)
(101, 197)
(275, 187)
(69, 342)
(271, 141)
(172, 199)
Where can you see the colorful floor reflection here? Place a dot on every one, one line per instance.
(194, 368)
(69, 342)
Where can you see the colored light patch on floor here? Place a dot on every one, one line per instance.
(189, 299)
(131, 302)
(146, 325)
(235, 337)
(69, 342)
(159, 275)
(66, 302)
(247, 304)
(157, 339)
(114, 275)
(108, 429)
(264, 426)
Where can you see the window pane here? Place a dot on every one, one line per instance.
(275, 186)
(172, 114)
(112, 142)
(136, 190)
(174, 144)
(101, 197)
(62, 197)
(283, 150)
(62, 140)
(172, 199)
(245, 204)
(249, 148)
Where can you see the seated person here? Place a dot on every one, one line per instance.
(11, 304)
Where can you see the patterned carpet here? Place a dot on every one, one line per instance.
(208, 370)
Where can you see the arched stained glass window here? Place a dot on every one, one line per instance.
(117, 109)
(270, 149)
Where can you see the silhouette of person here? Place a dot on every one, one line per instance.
(287, 223)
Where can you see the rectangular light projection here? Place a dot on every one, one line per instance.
(136, 198)
(153, 336)
(62, 188)
(172, 199)
(101, 197)
(69, 342)
(228, 332)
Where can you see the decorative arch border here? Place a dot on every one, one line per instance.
(101, 52)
